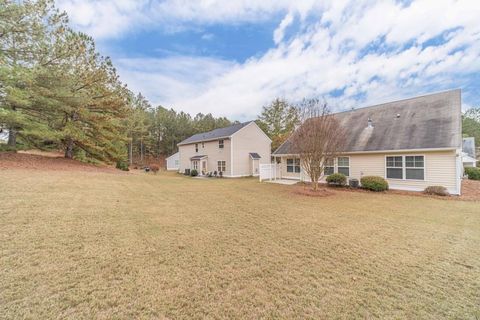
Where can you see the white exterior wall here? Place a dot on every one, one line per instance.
(236, 152)
(211, 150)
(441, 168)
(173, 162)
(246, 140)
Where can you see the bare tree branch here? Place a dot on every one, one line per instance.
(318, 140)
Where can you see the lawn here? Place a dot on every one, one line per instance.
(91, 244)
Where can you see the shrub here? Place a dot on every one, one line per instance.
(337, 179)
(154, 168)
(193, 173)
(122, 165)
(436, 190)
(473, 173)
(374, 183)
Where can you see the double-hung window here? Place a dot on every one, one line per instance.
(293, 165)
(343, 165)
(329, 167)
(221, 166)
(406, 167)
(196, 147)
(220, 144)
(414, 168)
(395, 167)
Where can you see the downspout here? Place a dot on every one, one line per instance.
(231, 156)
(458, 170)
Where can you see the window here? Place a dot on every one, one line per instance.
(195, 165)
(220, 144)
(414, 168)
(406, 167)
(395, 167)
(343, 164)
(329, 167)
(203, 144)
(221, 166)
(196, 147)
(176, 163)
(293, 165)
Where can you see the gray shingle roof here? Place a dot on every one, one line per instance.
(255, 155)
(198, 157)
(468, 146)
(215, 134)
(425, 122)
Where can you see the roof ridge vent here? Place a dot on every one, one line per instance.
(370, 123)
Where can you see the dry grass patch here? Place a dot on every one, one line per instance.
(84, 244)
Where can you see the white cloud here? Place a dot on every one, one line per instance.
(372, 51)
(279, 33)
(106, 18)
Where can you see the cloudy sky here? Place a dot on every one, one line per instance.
(230, 57)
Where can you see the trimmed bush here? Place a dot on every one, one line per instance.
(154, 168)
(437, 191)
(193, 173)
(374, 183)
(122, 165)
(337, 179)
(473, 173)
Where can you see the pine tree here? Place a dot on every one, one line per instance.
(278, 120)
(28, 30)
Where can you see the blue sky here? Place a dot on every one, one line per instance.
(232, 57)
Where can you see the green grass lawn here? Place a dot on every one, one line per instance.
(83, 245)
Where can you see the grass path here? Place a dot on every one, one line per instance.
(83, 244)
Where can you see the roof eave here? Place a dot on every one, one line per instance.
(203, 140)
(380, 151)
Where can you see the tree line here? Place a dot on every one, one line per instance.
(58, 92)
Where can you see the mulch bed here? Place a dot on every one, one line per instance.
(12, 160)
(470, 191)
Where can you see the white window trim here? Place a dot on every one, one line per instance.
(293, 165)
(404, 167)
(225, 166)
(193, 165)
(223, 144)
(336, 166)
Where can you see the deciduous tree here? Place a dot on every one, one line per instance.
(318, 140)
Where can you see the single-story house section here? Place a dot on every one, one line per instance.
(173, 162)
(468, 152)
(412, 143)
(236, 151)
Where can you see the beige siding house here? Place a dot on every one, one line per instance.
(236, 151)
(412, 143)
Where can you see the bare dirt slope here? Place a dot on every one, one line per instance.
(47, 161)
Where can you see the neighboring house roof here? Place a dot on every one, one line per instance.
(427, 122)
(215, 134)
(255, 155)
(173, 155)
(468, 146)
